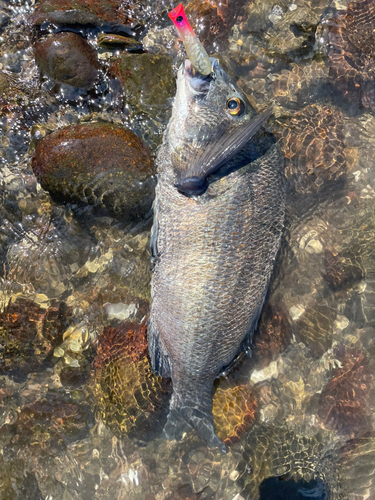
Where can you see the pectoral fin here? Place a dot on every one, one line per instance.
(221, 149)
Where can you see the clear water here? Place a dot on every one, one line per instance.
(80, 417)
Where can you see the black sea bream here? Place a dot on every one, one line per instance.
(218, 221)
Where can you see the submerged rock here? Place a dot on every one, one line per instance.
(315, 327)
(129, 397)
(148, 86)
(348, 39)
(234, 409)
(344, 403)
(82, 12)
(277, 452)
(28, 332)
(312, 141)
(340, 272)
(299, 85)
(208, 21)
(99, 164)
(273, 335)
(67, 58)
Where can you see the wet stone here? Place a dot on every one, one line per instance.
(357, 458)
(14, 97)
(234, 408)
(275, 30)
(28, 334)
(116, 42)
(212, 20)
(312, 141)
(208, 21)
(340, 272)
(300, 85)
(344, 403)
(275, 451)
(348, 38)
(83, 12)
(129, 398)
(22, 347)
(273, 335)
(67, 58)
(148, 85)
(315, 328)
(98, 164)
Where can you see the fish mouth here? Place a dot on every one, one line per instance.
(199, 84)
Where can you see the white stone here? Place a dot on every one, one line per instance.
(234, 475)
(274, 18)
(341, 322)
(314, 247)
(271, 371)
(58, 352)
(120, 310)
(296, 311)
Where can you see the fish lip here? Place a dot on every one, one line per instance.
(198, 84)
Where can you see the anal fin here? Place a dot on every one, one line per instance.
(159, 360)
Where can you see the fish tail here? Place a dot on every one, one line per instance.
(182, 418)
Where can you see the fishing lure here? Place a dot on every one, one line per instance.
(194, 49)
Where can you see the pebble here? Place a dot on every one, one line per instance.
(120, 311)
(296, 312)
(314, 247)
(67, 58)
(99, 164)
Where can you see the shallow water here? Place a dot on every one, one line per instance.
(80, 412)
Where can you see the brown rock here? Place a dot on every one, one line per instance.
(113, 41)
(344, 402)
(97, 163)
(82, 12)
(340, 272)
(315, 328)
(349, 39)
(312, 142)
(233, 408)
(273, 335)
(127, 393)
(148, 84)
(207, 20)
(22, 347)
(67, 58)
(212, 20)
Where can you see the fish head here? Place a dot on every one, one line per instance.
(212, 120)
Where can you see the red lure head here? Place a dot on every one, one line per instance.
(179, 19)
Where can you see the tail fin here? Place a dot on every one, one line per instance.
(182, 419)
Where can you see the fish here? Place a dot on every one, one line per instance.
(218, 223)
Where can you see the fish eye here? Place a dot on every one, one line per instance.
(235, 106)
(179, 19)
